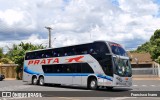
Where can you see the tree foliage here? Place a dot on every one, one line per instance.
(1, 53)
(144, 47)
(155, 42)
(152, 46)
(3, 58)
(5, 61)
(17, 53)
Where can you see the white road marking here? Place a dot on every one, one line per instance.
(120, 98)
(12, 88)
(147, 85)
(135, 85)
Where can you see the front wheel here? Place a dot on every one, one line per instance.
(41, 81)
(93, 84)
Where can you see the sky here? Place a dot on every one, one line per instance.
(128, 22)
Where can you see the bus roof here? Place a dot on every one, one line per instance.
(69, 46)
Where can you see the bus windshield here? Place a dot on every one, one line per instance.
(117, 49)
(122, 67)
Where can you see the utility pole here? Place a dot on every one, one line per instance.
(49, 35)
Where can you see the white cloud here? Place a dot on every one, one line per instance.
(11, 16)
(130, 22)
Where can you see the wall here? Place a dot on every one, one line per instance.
(8, 70)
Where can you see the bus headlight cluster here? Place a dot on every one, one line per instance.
(118, 78)
(123, 69)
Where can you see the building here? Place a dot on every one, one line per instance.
(141, 60)
(143, 65)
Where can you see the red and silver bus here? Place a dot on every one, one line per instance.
(100, 63)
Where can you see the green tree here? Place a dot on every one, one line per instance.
(158, 60)
(144, 47)
(17, 53)
(152, 46)
(155, 42)
(1, 53)
(5, 61)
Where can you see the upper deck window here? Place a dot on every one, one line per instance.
(99, 48)
(117, 49)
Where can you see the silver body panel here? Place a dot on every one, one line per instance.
(75, 78)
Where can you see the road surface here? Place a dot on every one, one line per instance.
(138, 86)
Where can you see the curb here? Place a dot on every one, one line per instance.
(10, 79)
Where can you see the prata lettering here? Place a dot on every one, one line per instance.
(43, 61)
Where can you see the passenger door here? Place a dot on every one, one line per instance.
(77, 75)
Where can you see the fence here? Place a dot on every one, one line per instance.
(146, 72)
(8, 70)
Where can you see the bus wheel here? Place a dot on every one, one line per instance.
(93, 84)
(57, 85)
(109, 88)
(34, 80)
(41, 80)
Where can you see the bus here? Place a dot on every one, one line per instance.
(93, 65)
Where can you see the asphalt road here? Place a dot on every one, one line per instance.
(138, 86)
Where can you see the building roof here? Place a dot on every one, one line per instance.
(140, 58)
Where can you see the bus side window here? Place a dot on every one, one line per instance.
(58, 70)
(66, 68)
(86, 68)
(81, 49)
(101, 48)
(58, 52)
(39, 54)
(48, 53)
(73, 51)
(27, 56)
(69, 51)
(78, 67)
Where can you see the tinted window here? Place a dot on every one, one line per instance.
(77, 67)
(86, 68)
(57, 52)
(27, 56)
(68, 68)
(90, 48)
(48, 53)
(106, 64)
(82, 49)
(69, 51)
(101, 48)
(117, 49)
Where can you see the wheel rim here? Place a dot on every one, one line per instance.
(41, 81)
(93, 83)
(35, 80)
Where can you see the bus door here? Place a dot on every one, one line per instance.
(77, 75)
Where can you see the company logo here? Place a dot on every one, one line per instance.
(53, 60)
(43, 61)
(75, 59)
(6, 94)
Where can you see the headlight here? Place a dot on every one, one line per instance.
(123, 69)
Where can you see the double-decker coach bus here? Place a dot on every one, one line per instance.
(95, 64)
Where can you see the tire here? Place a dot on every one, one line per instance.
(41, 81)
(57, 85)
(93, 84)
(109, 88)
(34, 80)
